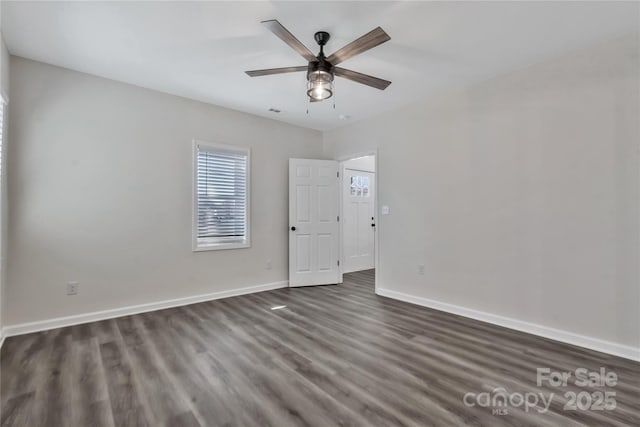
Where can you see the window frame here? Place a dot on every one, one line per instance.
(220, 245)
(4, 126)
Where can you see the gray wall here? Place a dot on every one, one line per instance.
(100, 184)
(519, 194)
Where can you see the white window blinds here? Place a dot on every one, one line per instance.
(222, 196)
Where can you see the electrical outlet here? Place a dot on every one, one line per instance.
(421, 269)
(73, 288)
(269, 265)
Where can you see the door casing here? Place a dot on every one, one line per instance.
(379, 222)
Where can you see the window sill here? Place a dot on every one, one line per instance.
(220, 246)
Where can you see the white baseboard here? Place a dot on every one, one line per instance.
(616, 349)
(59, 322)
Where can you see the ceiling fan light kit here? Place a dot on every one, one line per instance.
(319, 85)
(321, 70)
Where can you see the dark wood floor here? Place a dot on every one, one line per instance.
(336, 355)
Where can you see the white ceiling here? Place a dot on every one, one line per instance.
(201, 50)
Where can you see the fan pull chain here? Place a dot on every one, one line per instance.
(334, 98)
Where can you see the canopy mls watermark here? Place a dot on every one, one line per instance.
(593, 397)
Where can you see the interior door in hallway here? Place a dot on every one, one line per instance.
(314, 235)
(358, 227)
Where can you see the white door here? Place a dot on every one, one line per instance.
(314, 235)
(358, 227)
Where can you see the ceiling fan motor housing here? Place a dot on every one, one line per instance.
(321, 67)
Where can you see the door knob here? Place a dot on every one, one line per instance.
(293, 228)
(373, 225)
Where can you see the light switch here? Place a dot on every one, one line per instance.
(385, 210)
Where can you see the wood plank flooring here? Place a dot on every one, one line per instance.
(336, 355)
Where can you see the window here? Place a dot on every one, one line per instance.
(221, 197)
(1, 133)
(359, 186)
(3, 107)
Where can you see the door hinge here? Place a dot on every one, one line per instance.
(338, 174)
(338, 218)
(338, 263)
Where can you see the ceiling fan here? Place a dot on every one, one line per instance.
(321, 69)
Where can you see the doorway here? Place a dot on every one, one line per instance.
(358, 213)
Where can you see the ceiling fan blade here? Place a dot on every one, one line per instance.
(364, 79)
(370, 40)
(283, 34)
(269, 71)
